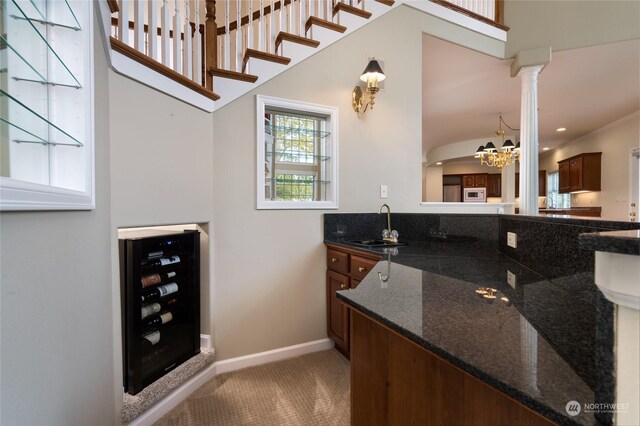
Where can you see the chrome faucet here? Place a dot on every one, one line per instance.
(388, 234)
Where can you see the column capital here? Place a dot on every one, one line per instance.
(531, 58)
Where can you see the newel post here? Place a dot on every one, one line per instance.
(210, 42)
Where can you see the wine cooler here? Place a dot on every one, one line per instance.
(160, 279)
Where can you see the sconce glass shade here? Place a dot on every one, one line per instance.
(373, 72)
(479, 151)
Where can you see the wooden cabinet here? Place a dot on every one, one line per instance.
(475, 180)
(345, 269)
(580, 173)
(542, 183)
(396, 382)
(494, 185)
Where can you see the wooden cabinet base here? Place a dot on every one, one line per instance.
(396, 382)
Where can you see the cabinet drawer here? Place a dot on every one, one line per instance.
(361, 266)
(338, 261)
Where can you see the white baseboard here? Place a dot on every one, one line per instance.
(271, 356)
(154, 413)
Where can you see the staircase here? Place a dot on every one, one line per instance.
(219, 50)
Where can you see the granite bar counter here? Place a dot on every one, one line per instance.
(544, 340)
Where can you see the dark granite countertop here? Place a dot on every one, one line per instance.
(430, 297)
(624, 242)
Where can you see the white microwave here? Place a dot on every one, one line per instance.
(475, 195)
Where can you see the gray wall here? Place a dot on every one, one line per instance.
(56, 320)
(269, 274)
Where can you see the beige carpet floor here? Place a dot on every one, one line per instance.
(311, 389)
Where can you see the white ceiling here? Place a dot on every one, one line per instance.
(581, 89)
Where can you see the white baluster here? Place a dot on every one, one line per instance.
(290, 21)
(261, 29)
(138, 25)
(302, 17)
(328, 12)
(123, 21)
(177, 48)
(197, 72)
(226, 57)
(165, 26)
(188, 46)
(272, 28)
(283, 16)
(238, 36)
(249, 29)
(152, 35)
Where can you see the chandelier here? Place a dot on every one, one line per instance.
(507, 155)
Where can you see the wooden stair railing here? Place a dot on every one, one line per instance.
(189, 46)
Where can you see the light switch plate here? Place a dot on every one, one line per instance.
(512, 239)
(383, 191)
(511, 278)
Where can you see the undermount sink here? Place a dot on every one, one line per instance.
(377, 243)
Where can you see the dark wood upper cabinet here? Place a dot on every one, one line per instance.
(474, 181)
(494, 185)
(580, 173)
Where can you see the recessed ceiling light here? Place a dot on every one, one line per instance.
(561, 129)
(546, 148)
(439, 163)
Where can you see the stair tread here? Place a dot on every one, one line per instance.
(234, 75)
(257, 54)
(285, 36)
(350, 9)
(325, 24)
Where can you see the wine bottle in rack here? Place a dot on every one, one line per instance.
(163, 261)
(157, 278)
(150, 309)
(153, 337)
(158, 320)
(156, 293)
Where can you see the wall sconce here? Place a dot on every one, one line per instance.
(371, 75)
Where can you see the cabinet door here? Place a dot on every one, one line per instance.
(575, 174)
(480, 181)
(494, 185)
(337, 312)
(468, 181)
(564, 184)
(542, 183)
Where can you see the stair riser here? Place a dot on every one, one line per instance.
(294, 50)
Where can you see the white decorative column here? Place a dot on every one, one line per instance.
(529, 140)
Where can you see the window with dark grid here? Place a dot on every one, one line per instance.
(294, 156)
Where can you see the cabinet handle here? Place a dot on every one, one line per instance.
(343, 286)
(360, 269)
(334, 260)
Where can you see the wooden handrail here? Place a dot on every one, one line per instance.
(462, 10)
(114, 22)
(113, 6)
(256, 15)
(132, 53)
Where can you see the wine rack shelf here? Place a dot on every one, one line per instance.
(160, 287)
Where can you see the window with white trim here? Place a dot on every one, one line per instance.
(46, 105)
(297, 155)
(556, 200)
